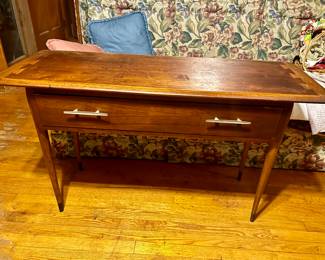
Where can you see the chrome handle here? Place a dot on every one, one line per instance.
(76, 112)
(216, 120)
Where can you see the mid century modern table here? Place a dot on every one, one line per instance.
(165, 96)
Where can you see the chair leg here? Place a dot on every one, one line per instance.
(243, 160)
(76, 142)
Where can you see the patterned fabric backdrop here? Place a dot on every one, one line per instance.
(299, 149)
(240, 29)
(237, 29)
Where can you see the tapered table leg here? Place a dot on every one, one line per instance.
(243, 160)
(76, 142)
(47, 154)
(267, 168)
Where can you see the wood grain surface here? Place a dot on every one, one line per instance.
(148, 210)
(208, 78)
(157, 117)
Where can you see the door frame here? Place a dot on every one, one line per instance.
(78, 21)
(24, 26)
(3, 60)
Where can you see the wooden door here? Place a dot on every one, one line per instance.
(50, 20)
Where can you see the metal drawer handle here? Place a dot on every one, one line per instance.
(76, 112)
(216, 120)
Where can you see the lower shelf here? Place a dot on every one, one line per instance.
(299, 149)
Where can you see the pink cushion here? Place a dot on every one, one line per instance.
(61, 45)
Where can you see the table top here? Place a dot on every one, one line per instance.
(210, 78)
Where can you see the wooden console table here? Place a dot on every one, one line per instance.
(165, 96)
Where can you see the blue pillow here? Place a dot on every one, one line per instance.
(122, 34)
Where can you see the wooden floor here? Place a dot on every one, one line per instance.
(147, 210)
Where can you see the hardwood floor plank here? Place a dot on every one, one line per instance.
(100, 244)
(165, 248)
(182, 234)
(34, 253)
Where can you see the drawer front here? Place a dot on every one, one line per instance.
(158, 116)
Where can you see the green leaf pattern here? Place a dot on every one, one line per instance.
(237, 29)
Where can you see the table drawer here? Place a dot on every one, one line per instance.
(158, 116)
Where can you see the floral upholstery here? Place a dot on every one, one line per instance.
(236, 29)
(303, 9)
(299, 149)
(239, 29)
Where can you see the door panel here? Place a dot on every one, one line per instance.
(50, 20)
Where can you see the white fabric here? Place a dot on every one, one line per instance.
(314, 113)
(299, 112)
